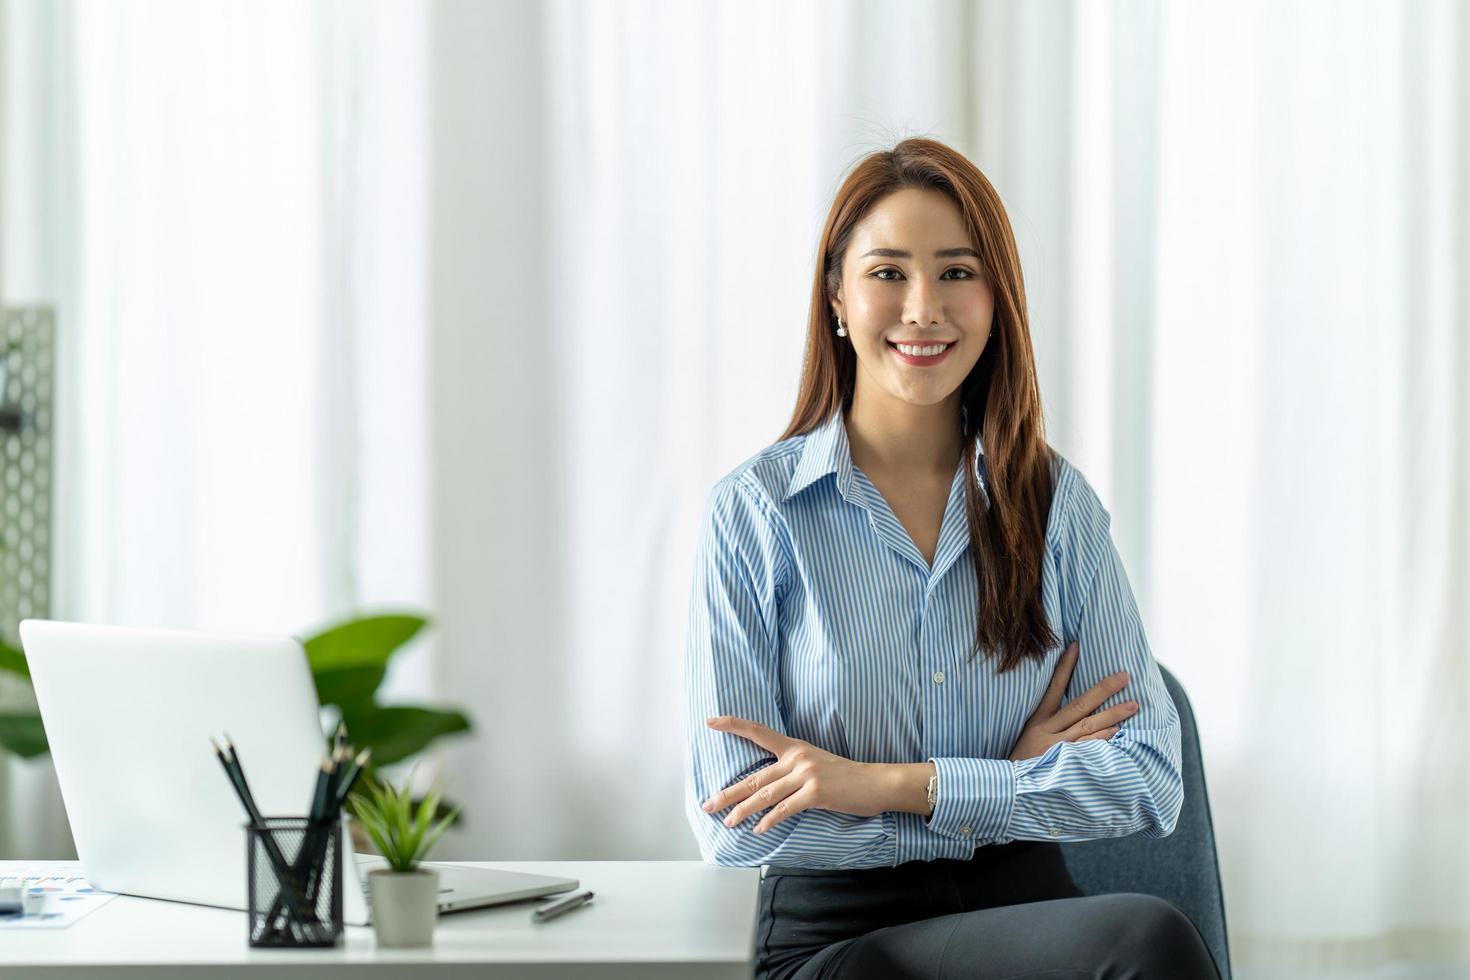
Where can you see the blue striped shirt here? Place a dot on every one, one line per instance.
(814, 613)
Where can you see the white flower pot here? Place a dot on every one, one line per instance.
(405, 905)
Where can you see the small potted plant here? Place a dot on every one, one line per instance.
(404, 896)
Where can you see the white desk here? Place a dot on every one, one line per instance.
(649, 919)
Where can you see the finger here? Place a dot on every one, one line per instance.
(1103, 735)
(1103, 719)
(736, 792)
(1051, 700)
(772, 793)
(786, 809)
(766, 738)
(1088, 701)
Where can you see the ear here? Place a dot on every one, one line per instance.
(837, 307)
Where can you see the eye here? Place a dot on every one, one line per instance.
(878, 274)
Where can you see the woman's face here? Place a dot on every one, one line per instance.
(934, 295)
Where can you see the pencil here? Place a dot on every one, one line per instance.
(349, 778)
(313, 846)
(246, 796)
(343, 776)
(234, 774)
(313, 849)
(231, 764)
(339, 765)
(319, 797)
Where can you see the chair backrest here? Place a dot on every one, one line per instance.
(1181, 868)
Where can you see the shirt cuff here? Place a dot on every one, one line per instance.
(976, 798)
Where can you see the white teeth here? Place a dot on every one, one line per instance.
(921, 351)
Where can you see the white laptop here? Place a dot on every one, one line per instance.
(129, 713)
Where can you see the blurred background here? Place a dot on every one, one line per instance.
(462, 307)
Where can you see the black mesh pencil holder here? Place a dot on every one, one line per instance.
(294, 874)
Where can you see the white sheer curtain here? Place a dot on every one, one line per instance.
(1309, 486)
(1243, 231)
(1250, 240)
(1301, 519)
(1251, 325)
(227, 205)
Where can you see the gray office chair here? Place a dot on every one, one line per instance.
(1181, 868)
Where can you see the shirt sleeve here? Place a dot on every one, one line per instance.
(732, 667)
(1082, 790)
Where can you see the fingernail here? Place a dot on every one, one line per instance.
(729, 821)
(709, 806)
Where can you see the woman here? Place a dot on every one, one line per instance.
(875, 670)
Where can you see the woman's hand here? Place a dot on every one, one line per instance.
(802, 777)
(1050, 723)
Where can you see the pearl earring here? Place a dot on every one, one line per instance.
(841, 330)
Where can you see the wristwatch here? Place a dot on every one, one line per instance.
(933, 793)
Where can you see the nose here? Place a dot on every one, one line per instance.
(921, 303)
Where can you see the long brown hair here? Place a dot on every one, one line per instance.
(1000, 399)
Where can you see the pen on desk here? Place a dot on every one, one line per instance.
(564, 905)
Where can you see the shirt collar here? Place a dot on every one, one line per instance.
(826, 450)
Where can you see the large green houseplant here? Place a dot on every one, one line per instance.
(348, 661)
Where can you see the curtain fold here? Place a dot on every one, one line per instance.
(226, 206)
(1275, 416)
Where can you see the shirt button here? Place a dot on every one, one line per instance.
(1053, 831)
(965, 831)
(939, 677)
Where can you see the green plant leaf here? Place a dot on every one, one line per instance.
(364, 642)
(445, 803)
(14, 661)
(396, 732)
(403, 833)
(23, 734)
(439, 828)
(373, 815)
(383, 841)
(422, 820)
(344, 685)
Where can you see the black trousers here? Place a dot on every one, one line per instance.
(1012, 911)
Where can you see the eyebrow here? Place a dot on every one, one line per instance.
(943, 253)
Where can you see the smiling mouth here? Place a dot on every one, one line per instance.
(921, 355)
(922, 351)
